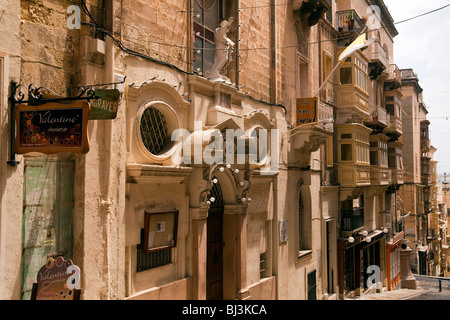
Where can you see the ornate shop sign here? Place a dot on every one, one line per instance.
(57, 280)
(105, 107)
(52, 128)
(307, 111)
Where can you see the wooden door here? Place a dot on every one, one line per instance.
(214, 266)
(214, 286)
(47, 215)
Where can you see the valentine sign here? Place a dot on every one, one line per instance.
(52, 128)
(57, 280)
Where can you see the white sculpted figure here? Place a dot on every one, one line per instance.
(223, 51)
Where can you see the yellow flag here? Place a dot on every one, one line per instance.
(359, 43)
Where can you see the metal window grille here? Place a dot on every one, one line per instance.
(216, 193)
(262, 265)
(153, 130)
(150, 260)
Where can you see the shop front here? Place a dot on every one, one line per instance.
(393, 271)
(360, 263)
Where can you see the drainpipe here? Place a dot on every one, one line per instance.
(273, 52)
(109, 78)
(108, 129)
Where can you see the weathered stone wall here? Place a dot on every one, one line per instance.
(49, 48)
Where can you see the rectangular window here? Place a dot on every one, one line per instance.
(374, 158)
(329, 151)
(207, 17)
(301, 79)
(346, 75)
(346, 136)
(262, 265)
(346, 152)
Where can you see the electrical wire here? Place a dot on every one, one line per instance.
(326, 40)
(138, 54)
(121, 46)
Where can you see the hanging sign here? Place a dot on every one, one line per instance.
(52, 128)
(57, 280)
(306, 111)
(106, 106)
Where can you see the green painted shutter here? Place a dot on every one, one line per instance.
(47, 215)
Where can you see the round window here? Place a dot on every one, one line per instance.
(154, 130)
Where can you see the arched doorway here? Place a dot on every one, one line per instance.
(214, 265)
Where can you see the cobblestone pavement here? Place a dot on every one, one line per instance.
(408, 294)
(399, 294)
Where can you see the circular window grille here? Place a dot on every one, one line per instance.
(153, 129)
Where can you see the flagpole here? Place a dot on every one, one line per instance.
(332, 71)
(337, 65)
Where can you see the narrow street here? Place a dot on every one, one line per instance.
(427, 289)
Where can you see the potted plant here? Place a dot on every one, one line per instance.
(350, 21)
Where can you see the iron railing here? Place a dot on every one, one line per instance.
(349, 20)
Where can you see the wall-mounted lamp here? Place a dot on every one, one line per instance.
(351, 239)
(385, 230)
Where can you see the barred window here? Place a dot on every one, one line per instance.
(153, 129)
(150, 260)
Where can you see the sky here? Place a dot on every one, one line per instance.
(423, 45)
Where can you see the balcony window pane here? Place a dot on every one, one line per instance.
(346, 136)
(346, 152)
(346, 75)
(374, 158)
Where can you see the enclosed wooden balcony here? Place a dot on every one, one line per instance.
(393, 103)
(353, 155)
(425, 142)
(379, 171)
(352, 97)
(395, 161)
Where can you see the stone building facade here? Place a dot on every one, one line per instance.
(145, 213)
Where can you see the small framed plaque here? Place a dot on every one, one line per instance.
(161, 229)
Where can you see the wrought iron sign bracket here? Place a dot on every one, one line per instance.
(35, 95)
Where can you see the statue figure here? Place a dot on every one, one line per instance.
(223, 51)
